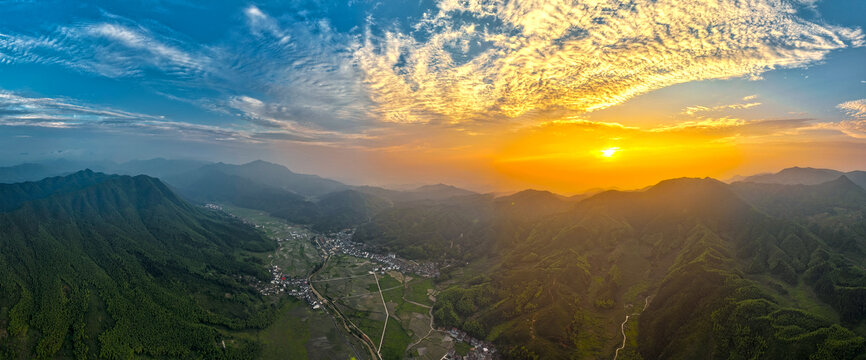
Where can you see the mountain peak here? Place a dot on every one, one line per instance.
(439, 186)
(443, 191)
(843, 180)
(688, 184)
(796, 175)
(261, 164)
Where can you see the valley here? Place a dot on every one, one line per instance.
(383, 303)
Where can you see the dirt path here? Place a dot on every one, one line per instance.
(432, 329)
(622, 328)
(387, 315)
(348, 325)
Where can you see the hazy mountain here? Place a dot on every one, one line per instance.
(803, 200)
(796, 175)
(158, 167)
(346, 209)
(426, 192)
(441, 191)
(209, 185)
(530, 204)
(279, 176)
(332, 211)
(104, 266)
(41, 170)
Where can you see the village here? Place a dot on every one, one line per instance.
(479, 350)
(338, 243)
(281, 283)
(341, 243)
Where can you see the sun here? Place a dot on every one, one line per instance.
(609, 152)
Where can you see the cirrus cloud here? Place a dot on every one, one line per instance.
(469, 59)
(854, 108)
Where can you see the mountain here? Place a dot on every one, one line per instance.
(154, 167)
(41, 170)
(107, 266)
(532, 204)
(209, 185)
(329, 212)
(701, 272)
(440, 191)
(13, 195)
(455, 228)
(426, 192)
(276, 176)
(345, 209)
(834, 210)
(158, 167)
(803, 200)
(796, 175)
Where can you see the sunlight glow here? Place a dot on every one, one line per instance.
(609, 152)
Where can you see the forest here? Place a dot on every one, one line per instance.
(106, 266)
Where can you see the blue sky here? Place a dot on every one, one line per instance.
(339, 88)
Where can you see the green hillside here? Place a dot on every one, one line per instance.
(719, 278)
(99, 266)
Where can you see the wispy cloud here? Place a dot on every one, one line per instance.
(854, 108)
(302, 72)
(304, 69)
(472, 58)
(854, 127)
(697, 109)
(18, 110)
(112, 49)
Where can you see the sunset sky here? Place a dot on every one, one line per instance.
(491, 95)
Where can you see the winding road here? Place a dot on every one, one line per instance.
(622, 328)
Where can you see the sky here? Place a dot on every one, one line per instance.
(488, 94)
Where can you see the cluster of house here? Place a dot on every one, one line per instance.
(282, 283)
(480, 350)
(214, 207)
(341, 243)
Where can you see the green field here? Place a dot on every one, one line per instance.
(345, 280)
(302, 333)
(296, 256)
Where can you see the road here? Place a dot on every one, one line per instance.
(347, 324)
(622, 328)
(387, 315)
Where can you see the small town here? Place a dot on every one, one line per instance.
(341, 243)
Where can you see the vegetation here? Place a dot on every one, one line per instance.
(98, 266)
(722, 279)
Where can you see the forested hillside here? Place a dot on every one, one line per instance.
(722, 274)
(99, 266)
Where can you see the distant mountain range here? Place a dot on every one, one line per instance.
(805, 176)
